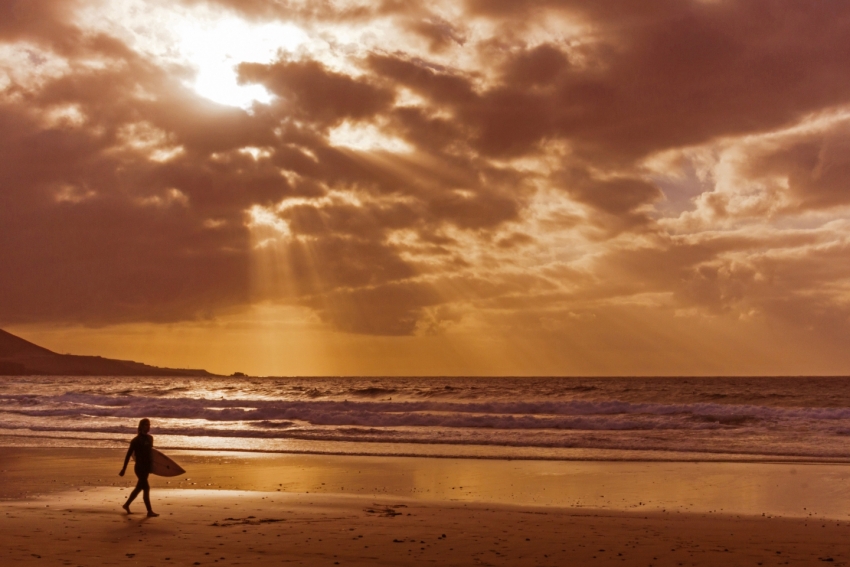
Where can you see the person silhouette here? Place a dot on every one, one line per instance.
(141, 446)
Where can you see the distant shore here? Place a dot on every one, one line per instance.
(347, 510)
(19, 357)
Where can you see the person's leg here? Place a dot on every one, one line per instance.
(140, 485)
(146, 496)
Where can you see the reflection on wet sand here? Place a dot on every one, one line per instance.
(773, 489)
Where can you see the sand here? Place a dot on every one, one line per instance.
(62, 507)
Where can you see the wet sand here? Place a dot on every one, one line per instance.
(62, 507)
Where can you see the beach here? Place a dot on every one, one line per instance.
(62, 506)
(404, 471)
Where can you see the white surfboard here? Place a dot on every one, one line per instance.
(162, 465)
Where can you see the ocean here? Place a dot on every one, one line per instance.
(654, 419)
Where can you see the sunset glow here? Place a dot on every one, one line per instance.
(443, 188)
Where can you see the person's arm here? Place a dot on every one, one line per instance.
(127, 459)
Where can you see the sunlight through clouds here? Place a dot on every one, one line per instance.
(210, 42)
(217, 47)
(366, 137)
(264, 220)
(584, 176)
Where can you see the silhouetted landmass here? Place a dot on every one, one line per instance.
(23, 358)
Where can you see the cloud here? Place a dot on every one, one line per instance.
(670, 74)
(41, 21)
(544, 165)
(310, 91)
(440, 33)
(393, 309)
(813, 166)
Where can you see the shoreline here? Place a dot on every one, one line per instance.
(579, 454)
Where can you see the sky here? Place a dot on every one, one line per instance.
(479, 187)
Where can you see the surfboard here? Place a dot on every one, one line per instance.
(162, 465)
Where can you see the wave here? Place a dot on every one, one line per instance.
(319, 416)
(371, 391)
(593, 414)
(397, 438)
(195, 407)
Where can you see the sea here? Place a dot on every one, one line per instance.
(624, 418)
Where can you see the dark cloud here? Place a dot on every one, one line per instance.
(311, 11)
(620, 203)
(474, 211)
(439, 84)
(91, 229)
(540, 65)
(310, 91)
(79, 242)
(719, 275)
(665, 74)
(815, 166)
(616, 196)
(439, 32)
(42, 21)
(393, 309)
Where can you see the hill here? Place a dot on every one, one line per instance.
(19, 357)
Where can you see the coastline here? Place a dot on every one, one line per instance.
(64, 504)
(321, 447)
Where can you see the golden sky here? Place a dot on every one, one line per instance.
(447, 187)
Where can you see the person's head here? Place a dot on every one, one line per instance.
(144, 426)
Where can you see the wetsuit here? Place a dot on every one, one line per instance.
(141, 446)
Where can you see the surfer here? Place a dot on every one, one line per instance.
(141, 446)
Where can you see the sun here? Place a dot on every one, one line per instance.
(215, 47)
